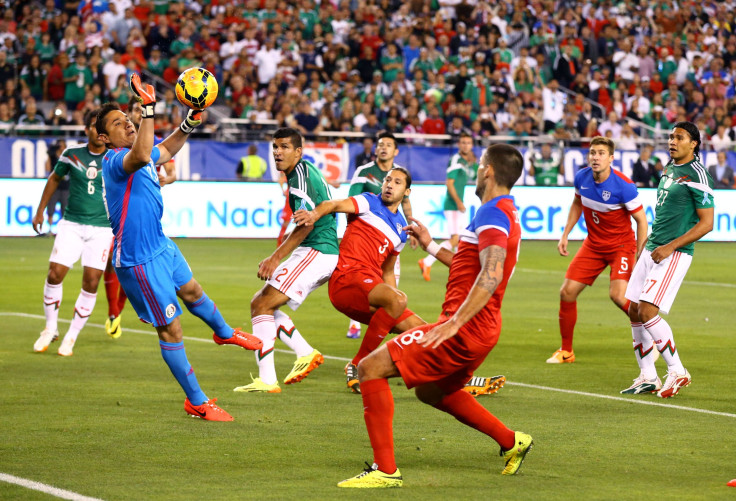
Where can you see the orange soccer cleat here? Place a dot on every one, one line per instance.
(240, 338)
(207, 411)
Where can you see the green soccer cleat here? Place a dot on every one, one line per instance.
(515, 456)
(258, 386)
(643, 385)
(373, 478)
(303, 366)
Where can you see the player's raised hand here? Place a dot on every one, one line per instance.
(145, 93)
(418, 231)
(305, 217)
(562, 246)
(437, 335)
(193, 119)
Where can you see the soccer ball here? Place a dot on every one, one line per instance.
(196, 88)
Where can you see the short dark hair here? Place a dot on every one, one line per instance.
(132, 102)
(90, 117)
(102, 113)
(605, 141)
(507, 163)
(693, 131)
(406, 173)
(463, 134)
(387, 135)
(290, 133)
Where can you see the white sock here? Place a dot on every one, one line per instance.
(51, 302)
(354, 324)
(661, 332)
(289, 334)
(82, 310)
(644, 350)
(430, 259)
(264, 328)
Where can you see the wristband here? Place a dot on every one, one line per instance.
(185, 127)
(433, 248)
(147, 110)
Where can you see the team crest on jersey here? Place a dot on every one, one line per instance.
(92, 172)
(606, 195)
(170, 310)
(398, 227)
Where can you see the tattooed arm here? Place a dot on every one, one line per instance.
(491, 274)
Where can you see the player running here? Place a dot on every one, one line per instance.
(115, 294)
(150, 267)
(607, 199)
(684, 214)
(310, 265)
(369, 178)
(83, 232)
(438, 359)
(461, 169)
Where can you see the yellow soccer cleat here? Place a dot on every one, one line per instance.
(561, 357)
(515, 456)
(484, 385)
(373, 478)
(112, 327)
(303, 366)
(258, 386)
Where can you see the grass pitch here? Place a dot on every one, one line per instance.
(109, 421)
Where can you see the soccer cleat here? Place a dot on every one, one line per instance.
(258, 386)
(44, 340)
(515, 456)
(484, 385)
(303, 366)
(673, 383)
(643, 385)
(67, 347)
(240, 338)
(353, 332)
(372, 477)
(561, 357)
(351, 376)
(208, 411)
(425, 269)
(112, 327)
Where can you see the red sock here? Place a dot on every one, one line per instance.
(466, 409)
(121, 299)
(568, 319)
(112, 285)
(625, 307)
(378, 412)
(380, 325)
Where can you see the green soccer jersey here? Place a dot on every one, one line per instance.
(367, 178)
(460, 170)
(85, 186)
(546, 171)
(682, 190)
(307, 189)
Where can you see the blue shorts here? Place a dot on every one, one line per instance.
(151, 287)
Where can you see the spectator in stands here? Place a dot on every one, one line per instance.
(546, 167)
(554, 105)
(31, 115)
(628, 141)
(433, 124)
(721, 140)
(77, 79)
(267, 60)
(34, 78)
(647, 170)
(251, 167)
(722, 172)
(5, 116)
(611, 125)
(112, 70)
(307, 121)
(59, 115)
(366, 155)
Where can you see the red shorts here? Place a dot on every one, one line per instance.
(349, 293)
(449, 366)
(588, 264)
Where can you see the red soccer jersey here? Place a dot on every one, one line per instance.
(495, 223)
(607, 208)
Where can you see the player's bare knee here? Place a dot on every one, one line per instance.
(647, 312)
(634, 312)
(261, 305)
(566, 294)
(56, 275)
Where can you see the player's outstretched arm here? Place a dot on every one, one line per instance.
(52, 183)
(140, 153)
(172, 144)
(491, 274)
(309, 217)
(420, 232)
(701, 228)
(572, 218)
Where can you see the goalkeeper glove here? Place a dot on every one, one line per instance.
(193, 119)
(145, 93)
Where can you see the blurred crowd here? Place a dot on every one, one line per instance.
(571, 70)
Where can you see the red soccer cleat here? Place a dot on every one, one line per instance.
(240, 338)
(207, 411)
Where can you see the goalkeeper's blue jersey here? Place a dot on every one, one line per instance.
(134, 207)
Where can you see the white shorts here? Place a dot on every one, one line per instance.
(658, 283)
(304, 271)
(74, 240)
(454, 220)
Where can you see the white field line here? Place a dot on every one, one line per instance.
(47, 489)
(525, 385)
(690, 282)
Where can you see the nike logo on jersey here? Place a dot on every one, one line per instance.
(583, 187)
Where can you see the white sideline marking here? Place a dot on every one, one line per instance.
(47, 489)
(691, 282)
(343, 359)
